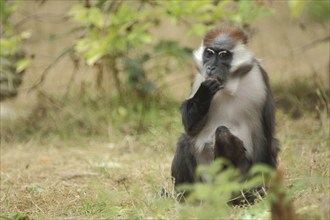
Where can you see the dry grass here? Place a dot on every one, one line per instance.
(55, 182)
(123, 179)
(306, 157)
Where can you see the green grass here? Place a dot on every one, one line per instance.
(88, 116)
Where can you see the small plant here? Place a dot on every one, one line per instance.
(117, 37)
(316, 10)
(221, 188)
(12, 58)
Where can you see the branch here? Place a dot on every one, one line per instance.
(309, 45)
(73, 74)
(46, 71)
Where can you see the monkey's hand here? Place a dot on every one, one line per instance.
(217, 78)
(207, 90)
(194, 110)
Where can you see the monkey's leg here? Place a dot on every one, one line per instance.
(231, 147)
(194, 110)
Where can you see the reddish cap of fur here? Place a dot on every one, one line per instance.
(235, 33)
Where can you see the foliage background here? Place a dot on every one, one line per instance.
(92, 131)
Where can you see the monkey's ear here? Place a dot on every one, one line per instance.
(198, 55)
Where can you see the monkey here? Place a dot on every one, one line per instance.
(230, 112)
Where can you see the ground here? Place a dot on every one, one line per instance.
(49, 181)
(124, 178)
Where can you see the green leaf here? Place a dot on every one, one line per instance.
(77, 12)
(87, 16)
(8, 46)
(25, 35)
(297, 7)
(92, 58)
(260, 168)
(95, 53)
(96, 17)
(82, 45)
(22, 64)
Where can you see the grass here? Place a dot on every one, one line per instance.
(86, 160)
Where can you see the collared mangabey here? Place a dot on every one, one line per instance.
(230, 94)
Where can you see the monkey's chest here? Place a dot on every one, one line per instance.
(237, 115)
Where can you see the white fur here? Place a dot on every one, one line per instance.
(242, 56)
(199, 78)
(198, 81)
(237, 106)
(198, 55)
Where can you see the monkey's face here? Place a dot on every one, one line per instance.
(223, 54)
(216, 62)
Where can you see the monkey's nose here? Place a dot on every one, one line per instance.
(210, 70)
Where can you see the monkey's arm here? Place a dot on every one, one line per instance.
(195, 109)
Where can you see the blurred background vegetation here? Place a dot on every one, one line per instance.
(89, 65)
(101, 70)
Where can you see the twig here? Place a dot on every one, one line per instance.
(78, 175)
(40, 209)
(46, 71)
(41, 17)
(73, 74)
(112, 66)
(58, 104)
(309, 45)
(177, 80)
(242, 193)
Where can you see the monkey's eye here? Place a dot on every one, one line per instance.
(209, 52)
(224, 53)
